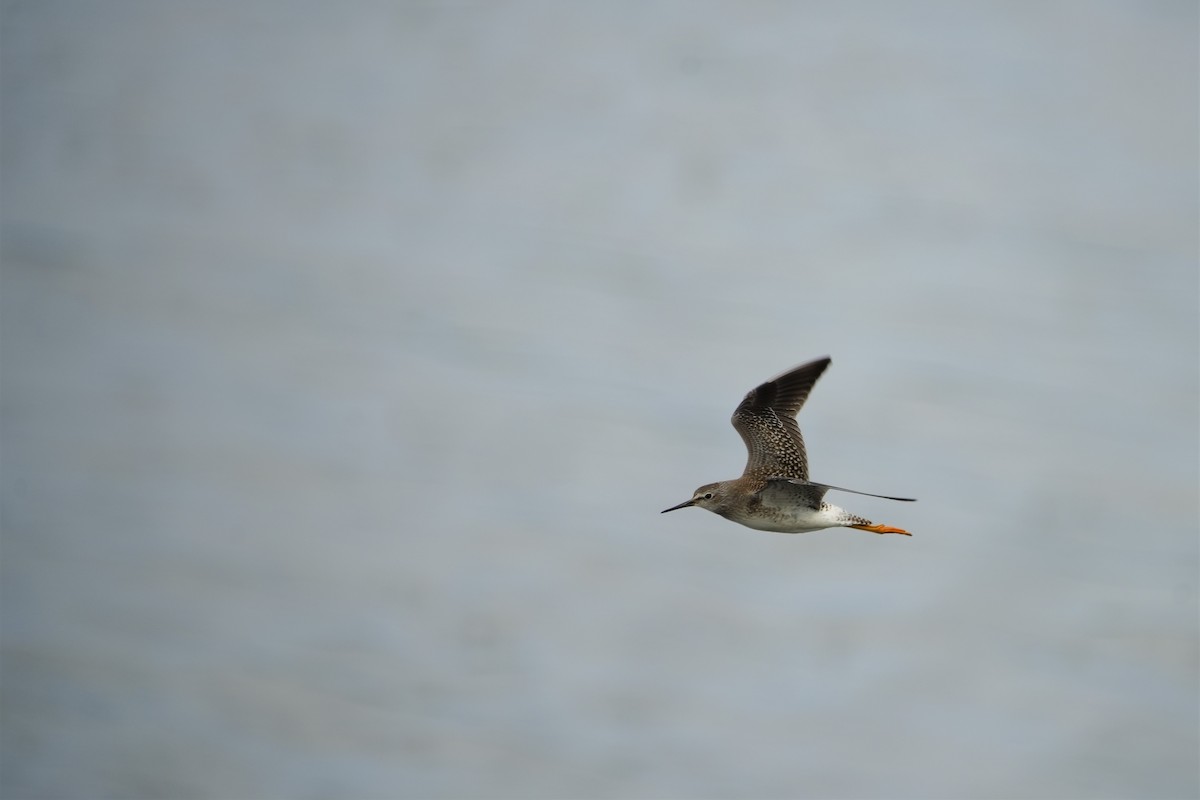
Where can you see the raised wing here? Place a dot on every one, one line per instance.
(766, 420)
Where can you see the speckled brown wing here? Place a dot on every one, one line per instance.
(766, 420)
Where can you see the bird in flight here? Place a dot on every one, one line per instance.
(774, 493)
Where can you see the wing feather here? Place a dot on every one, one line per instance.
(766, 421)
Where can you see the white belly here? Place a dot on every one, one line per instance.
(792, 519)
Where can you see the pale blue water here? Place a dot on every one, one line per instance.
(350, 352)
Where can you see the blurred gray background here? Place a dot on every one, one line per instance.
(350, 351)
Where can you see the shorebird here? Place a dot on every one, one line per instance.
(774, 493)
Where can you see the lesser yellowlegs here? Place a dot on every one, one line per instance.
(774, 493)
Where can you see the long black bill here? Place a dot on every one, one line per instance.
(684, 504)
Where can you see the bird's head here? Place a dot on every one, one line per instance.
(712, 496)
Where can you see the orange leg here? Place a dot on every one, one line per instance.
(881, 529)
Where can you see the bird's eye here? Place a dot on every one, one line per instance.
(708, 495)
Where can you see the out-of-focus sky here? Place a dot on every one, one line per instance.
(349, 352)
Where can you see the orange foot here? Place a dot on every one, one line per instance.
(881, 529)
